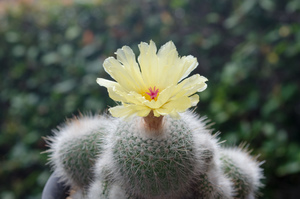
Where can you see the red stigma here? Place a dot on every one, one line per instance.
(153, 93)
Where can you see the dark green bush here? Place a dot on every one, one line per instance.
(51, 56)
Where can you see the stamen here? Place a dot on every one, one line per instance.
(153, 93)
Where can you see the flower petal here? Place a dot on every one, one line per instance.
(174, 115)
(191, 85)
(177, 105)
(149, 63)
(121, 111)
(165, 71)
(113, 89)
(168, 58)
(119, 94)
(127, 58)
(106, 83)
(188, 64)
(194, 99)
(120, 74)
(129, 110)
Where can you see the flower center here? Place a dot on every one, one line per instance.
(153, 94)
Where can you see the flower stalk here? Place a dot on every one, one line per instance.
(153, 124)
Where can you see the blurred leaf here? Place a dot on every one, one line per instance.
(72, 32)
(50, 58)
(293, 6)
(267, 4)
(65, 50)
(65, 86)
(12, 37)
(18, 51)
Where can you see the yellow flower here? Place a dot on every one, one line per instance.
(156, 83)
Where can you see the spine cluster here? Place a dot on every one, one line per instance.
(113, 159)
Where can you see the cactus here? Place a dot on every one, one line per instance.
(127, 160)
(164, 164)
(152, 166)
(243, 170)
(74, 149)
(153, 148)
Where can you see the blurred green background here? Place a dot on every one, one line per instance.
(51, 53)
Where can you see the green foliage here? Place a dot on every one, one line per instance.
(249, 50)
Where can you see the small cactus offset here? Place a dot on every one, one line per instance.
(75, 147)
(152, 147)
(243, 170)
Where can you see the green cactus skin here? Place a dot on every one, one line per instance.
(155, 166)
(206, 187)
(75, 147)
(239, 179)
(106, 190)
(102, 189)
(104, 186)
(118, 159)
(149, 165)
(243, 170)
(78, 156)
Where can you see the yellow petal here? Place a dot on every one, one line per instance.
(114, 89)
(106, 83)
(168, 52)
(180, 104)
(202, 88)
(118, 93)
(149, 63)
(116, 96)
(182, 68)
(189, 63)
(177, 105)
(156, 113)
(121, 111)
(127, 58)
(191, 85)
(121, 95)
(173, 66)
(137, 98)
(167, 58)
(175, 115)
(165, 71)
(143, 113)
(120, 74)
(129, 110)
(194, 99)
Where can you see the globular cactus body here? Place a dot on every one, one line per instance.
(243, 170)
(116, 159)
(154, 165)
(75, 147)
(163, 164)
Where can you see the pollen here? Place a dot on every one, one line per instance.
(153, 93)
